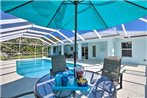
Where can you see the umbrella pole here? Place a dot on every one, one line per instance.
(75, 44)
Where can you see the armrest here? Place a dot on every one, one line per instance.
(122, 66)
(91, 79)
(120, 75)
(117, 77)
(123, 71)
(99, 70)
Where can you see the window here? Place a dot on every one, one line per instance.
(83, 51)
(126, 49)
(54, 49)
(71, 48)
(93, 51)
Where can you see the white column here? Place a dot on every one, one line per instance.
(51, 50)
(47, 51)
(62, 49)
(110, 48)
(35, 50)
(42, 51)
(19, 47)
(79, 51)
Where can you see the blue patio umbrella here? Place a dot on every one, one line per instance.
(76, 14)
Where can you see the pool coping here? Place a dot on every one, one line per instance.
(46, 59)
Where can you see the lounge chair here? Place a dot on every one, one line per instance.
(58, 64)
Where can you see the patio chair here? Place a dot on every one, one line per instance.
(112, 69)
(58, 64)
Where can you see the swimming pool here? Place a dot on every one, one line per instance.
(36, 68)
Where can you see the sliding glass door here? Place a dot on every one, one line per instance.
(85, 52)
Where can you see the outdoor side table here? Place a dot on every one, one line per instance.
(73, 88)
(45, 88)
(102, 88)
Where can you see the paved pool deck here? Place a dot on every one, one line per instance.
(12, 84)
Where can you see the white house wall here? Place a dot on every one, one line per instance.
(101, 50)
(139, 50)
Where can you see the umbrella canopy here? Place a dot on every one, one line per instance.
(76, 14)
(92, 14)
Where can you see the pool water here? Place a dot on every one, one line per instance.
(36, 68)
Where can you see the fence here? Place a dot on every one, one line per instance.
(22, 51)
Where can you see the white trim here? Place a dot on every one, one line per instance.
(124, 29)
(13, 33)
(97, 33)
(93, 51)
(53, 31)
(36, 38)
(50, 29)
(40, 36)
(19, 46)
(34, 31)
(33, 34)
(9, 38)
(142, 19)
(79, 35)
(56, 38)
(50, 40)
(10, 21)
(62, 49)
(15, 28)
(40, 32)
(64, 36)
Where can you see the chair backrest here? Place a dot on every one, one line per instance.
(58, 63)
(112, 66)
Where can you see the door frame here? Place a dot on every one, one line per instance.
(92, 51)
(84, 53)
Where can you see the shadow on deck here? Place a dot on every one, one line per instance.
(19, 87)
